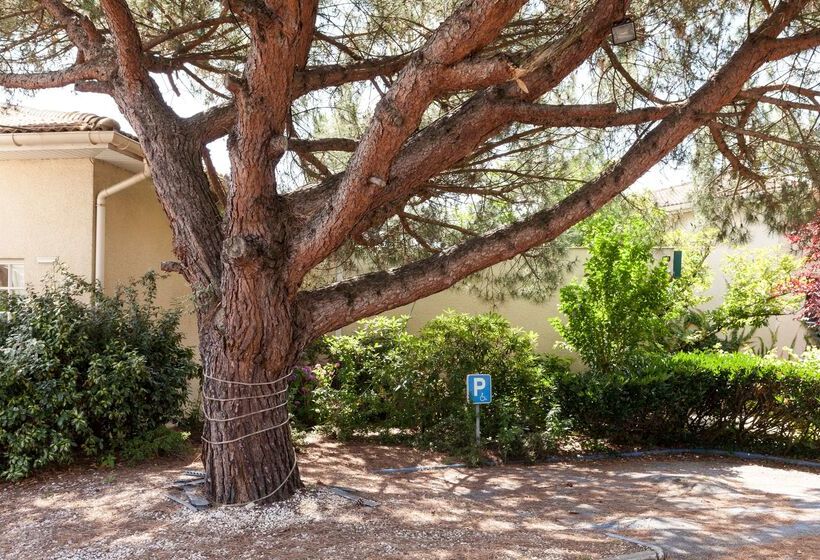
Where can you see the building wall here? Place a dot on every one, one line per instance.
(138, 239)
(520, 313)
(46, 211)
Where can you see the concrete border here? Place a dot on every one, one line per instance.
(622, 455)
(652, 552)
(420, 468)
(681, 451)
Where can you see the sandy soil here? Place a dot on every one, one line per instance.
(703, 508)
(802, 548)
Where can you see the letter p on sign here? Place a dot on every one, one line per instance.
(479, 388)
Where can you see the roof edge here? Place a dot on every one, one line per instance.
(72, 140)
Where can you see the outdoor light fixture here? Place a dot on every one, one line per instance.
(623, 32)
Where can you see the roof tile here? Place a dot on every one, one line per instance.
(17, 119)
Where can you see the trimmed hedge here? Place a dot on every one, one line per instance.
(84, 372)
(701, 399)
(407, 387)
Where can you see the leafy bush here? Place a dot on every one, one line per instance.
(755, 291)
(627, 304)
(385, 380)
(82, 371)
(365, 382)
(452, 346)
(700, 399)
(159, 442)
(411, 387)
(624, 302)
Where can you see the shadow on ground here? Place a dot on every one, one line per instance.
(704, 508)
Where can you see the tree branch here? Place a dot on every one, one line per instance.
(784, 103)
(56, 78)
(345, 302)
(183, 29)
(471, 27)
(434, 222)
(454, 137)
(759, 94)
(80, 29)
(212, 123)
(415, 235)
(619, 68)
(322, 145)
(584, 116)
(788, 46)
(127, 43)
(730, 156)
(319, 77)
(768, 137)
(180, 179)
(218, 121)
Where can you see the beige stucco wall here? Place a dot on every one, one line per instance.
(521, 313)
(138, 239)
(46, 210)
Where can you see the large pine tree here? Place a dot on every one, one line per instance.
(475, 132)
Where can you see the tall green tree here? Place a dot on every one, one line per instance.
(624, 301)
(523, 113)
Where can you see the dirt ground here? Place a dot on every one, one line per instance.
(699, 508)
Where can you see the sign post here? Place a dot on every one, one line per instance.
(479, 391)
(478, 426)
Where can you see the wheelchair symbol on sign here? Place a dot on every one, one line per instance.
(479, 388)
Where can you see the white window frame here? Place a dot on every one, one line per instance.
(17, 263)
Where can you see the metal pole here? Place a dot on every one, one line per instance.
(477, 426)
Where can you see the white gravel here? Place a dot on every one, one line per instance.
(306, 506)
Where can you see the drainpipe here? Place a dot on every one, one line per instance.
(99, 237)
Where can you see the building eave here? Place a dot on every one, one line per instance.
(109, 146)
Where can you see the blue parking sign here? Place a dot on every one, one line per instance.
(479, 388)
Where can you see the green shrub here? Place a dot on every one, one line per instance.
(364, 384)
(382, 379)
(699, 399)
(452, 346)
(82, 371)
(159, 442)
(624, 301)
(755, 281)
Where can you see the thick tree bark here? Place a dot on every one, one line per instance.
(248, 350)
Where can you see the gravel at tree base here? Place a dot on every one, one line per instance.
(703, 508)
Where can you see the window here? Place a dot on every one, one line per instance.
(11, 277)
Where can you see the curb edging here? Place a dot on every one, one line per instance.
(745, 455)
(653, 552)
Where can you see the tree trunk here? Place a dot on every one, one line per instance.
(248, 351)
